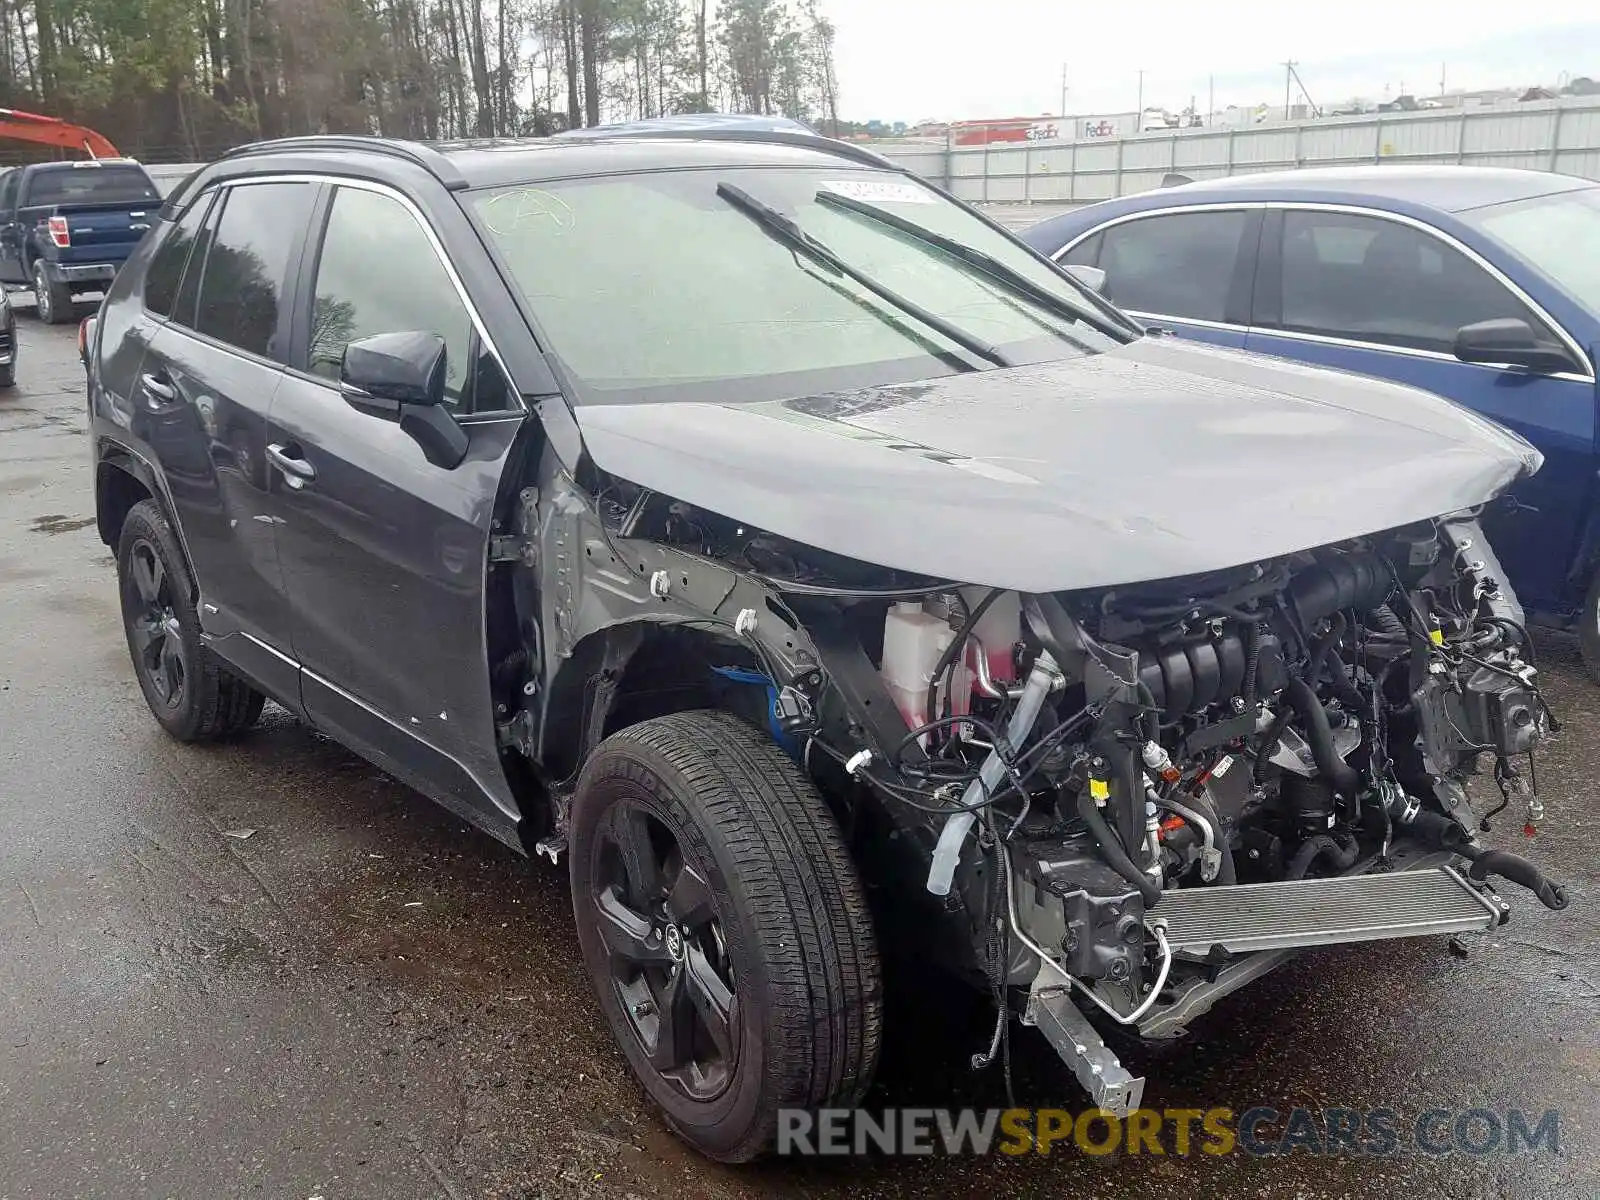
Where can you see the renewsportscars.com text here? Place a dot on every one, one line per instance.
(1180, 1132)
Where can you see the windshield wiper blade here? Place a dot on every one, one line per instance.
(785, 229)
(1006, 277)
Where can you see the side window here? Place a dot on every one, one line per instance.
(189, 288)
(165, 272)
(1180, 265)
(1372, 280)
(247, 264)
(379, 273)
(8, 189)
(1085, 254)
(491, 390)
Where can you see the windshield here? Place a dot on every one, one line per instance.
(1560, 235)
(654, 286)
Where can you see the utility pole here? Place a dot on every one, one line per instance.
(1063, 89)
(1288, 81)
(1305, 95)
(1441, 78)
(1141, 99)
(1211, 99)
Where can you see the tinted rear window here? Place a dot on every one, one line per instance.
(1181, 265)
(91, 185)
(166, 268)
(247, 264)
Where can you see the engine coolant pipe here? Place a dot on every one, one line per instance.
(1441, 831)
(947, 852)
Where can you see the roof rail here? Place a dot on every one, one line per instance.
(430, 160)
(809, 141)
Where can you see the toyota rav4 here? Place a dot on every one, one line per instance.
(813, 566)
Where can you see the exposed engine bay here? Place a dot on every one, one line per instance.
(1135, 800)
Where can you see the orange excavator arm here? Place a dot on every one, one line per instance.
(50, 131)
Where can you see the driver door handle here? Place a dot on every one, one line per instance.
(296, 471)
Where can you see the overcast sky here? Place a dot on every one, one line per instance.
(948, 59)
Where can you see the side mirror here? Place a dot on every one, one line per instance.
(1092, 278)
(401, 376)
(1510, 341)
(397, 368)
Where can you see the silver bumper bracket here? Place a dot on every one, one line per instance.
(1101, 1072)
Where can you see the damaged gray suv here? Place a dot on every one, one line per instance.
(812, 567)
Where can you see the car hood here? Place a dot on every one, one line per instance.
(1159, 459)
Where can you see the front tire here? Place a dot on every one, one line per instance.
(52, 301)
(1589, 628)
(189, 691)
(724, 928)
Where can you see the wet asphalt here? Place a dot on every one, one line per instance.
(265, 969)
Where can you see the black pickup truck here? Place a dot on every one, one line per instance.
(67, 227)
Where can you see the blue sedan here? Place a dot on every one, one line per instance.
(1481, 285)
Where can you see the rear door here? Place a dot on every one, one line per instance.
(1190, 271)
(200, 401)
(1385, 296)
(384, 552)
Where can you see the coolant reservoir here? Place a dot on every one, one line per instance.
(913, 640)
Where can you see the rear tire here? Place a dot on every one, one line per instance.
(189, 691)
(698, 846)
(52, 301)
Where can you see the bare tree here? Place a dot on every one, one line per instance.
(189, 78)
(589, 38)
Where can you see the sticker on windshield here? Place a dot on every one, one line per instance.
(880, 191)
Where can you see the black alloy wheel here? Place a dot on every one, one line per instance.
(153, 631)
(189, 691)
(724, 928)
(668, 955)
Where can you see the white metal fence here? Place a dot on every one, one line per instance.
(1547, 135)
(167, 176)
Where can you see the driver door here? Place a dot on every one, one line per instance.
(384, 552)
(1362, 292)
